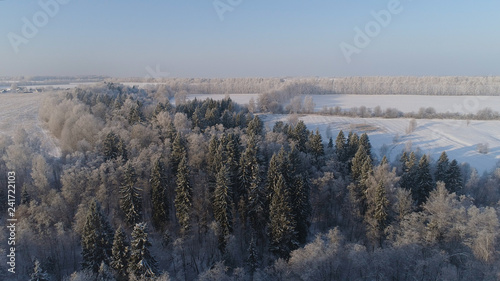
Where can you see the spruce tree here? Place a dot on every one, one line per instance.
(330, 143)
(358, 171)
(25, 196)
(214, 160)
(38, 273)
(384, 161)
(365, 142)
(453, 178)
(380, 213)
(273, 172)
(183, 195)
(135, 114)
(159, 195)
(131, 199)
(361, 170)
(222, 206)
(255, 127)
(301, 135)
(178, 151)
(250, 185)
(104, 274)
(120, 254)
(142, 263)
(442, 167)
(341, 148)
(283, 236)
(352, 145)
(424, 182)
(97, 239)
(122, 150)
(253, 258)
(248, 165)
(110, 146)
(301, 206)
(409, 177)
(232, 157)
(317, 149)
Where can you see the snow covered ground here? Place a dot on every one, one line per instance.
(407, 103)
(21, 111)
(389, 136)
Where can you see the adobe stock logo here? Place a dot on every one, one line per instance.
(30, 28)
(363, 37)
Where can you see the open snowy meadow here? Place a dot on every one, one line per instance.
(20, 111)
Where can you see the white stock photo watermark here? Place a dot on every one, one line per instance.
(223, 6)
(155, 73)
(32, 25)
(363, 36)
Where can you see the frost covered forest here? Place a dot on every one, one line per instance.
(145, 190)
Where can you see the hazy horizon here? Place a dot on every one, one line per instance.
(237, 38)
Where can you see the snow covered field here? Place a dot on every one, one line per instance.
(18, 110)
(388, 136)
(21, 111)
(407, 103)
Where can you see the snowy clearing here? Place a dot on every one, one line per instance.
(388, 136)
(20, 111)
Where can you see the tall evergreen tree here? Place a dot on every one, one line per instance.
(135, 114)
(38, 273)
(365, 142)
(330, 143)
(253, 259)
(131, 199)
(178, 151)
(97, 239)
(255, 126)
(379, 214)
(222, 206)
(142, 263)
(453, 178)
(301, 206)
(283, 235)
(361, 170)
(301, 135)
(352, 145)
(214, 160)
(250, 185)
(183, 195)
(424, 182)
(110, 146)
(317, 149)
(442, 167)
(299, 187)
(409, 176)
(361, 165)
(120, 254)
(248, 165)
(232, 157)
(341, 148)
(159, 195)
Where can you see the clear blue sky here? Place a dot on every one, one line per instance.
(187, 38)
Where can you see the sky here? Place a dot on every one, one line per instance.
(243, 38)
